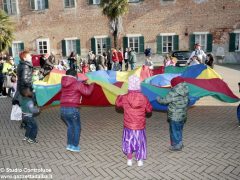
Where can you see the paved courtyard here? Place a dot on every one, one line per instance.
(211, 138)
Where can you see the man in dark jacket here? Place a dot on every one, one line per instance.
(1, 76)
(132, 59)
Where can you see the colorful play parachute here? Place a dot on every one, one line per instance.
(202, 81)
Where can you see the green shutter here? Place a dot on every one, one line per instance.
(191, 42)
(232, 42)
(10, 51)
(175, 42)
(93, 45)
(125, 43)
(159, 44)
(90, 2)
(109, 43)
(32, 4)
(5, 6)
(22, 46)
(209, 42)
(46, 4)
(78, 46)
(64, 53)
(141, 44)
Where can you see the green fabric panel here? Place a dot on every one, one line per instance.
(64, 53)
(78, 46)
(209, 42)
(191, 42)
(93, 45)
(232, 41)
(141, 44)
(175, 42)
(159, 44)
(174, 69)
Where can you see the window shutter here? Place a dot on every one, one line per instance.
(232, 42)
(90, 2)
(125, 43)
(5, 7)
(93, 45)
(191, 42)
(10, 51)
(64, 53)
(78, 46)
(46, 4)
(109, 43)
(22, 46)
(32, 4)
(141, 44)
(175, 42)
(209, 42)
(159, 44)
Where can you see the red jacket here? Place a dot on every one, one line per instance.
(72, 91)
(135, 106)
(115, 56)
(120, 56)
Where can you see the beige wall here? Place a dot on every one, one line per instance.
(148, 18)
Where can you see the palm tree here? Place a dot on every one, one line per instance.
(114, 10)
(6, 31)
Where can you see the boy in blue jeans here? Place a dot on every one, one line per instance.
(177, 100)
(29, 110)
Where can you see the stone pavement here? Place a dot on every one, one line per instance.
(211, 138)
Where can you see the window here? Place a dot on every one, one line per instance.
(39, 4)
(100, 44)
(167, 42)
(43, 46)
(17, 47)
(237, 43)
(71, 45)
(234, 41)
(96, 1)
(202, 40)
(133, 43)
(10, 7)
(69, 3)
(133, 1)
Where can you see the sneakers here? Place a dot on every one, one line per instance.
(129, 162)
(25, 138)
(30, 141)
(140, 163)
(73, 148)
(176, 148)
(69, 147)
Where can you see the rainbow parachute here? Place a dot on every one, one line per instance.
(202, 81)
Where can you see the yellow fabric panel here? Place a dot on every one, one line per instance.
(123, 76)
(208, 73)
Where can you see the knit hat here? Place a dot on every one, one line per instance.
(134, 83)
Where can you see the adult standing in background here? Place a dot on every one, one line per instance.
(120, 58)
(132, 58)
(72, 60)
(126, 55)
(199, 53)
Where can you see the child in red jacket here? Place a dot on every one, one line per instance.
(135, 106)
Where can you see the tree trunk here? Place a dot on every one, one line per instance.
(115, 39)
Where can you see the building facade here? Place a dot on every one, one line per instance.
(63, 26)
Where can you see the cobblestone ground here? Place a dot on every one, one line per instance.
(211, 138)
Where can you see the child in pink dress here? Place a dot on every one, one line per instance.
(135, 106)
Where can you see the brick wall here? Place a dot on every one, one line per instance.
(148, 18)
